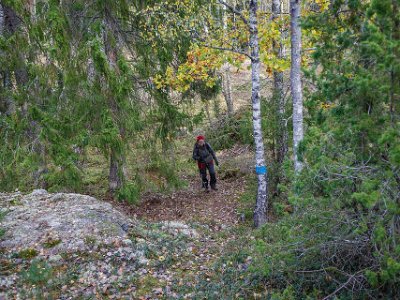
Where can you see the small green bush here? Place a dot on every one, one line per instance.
(28, 253)
(38, 273)
(130, 192)
(51, 243)
(229, 131)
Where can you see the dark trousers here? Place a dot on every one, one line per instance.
(203, 172)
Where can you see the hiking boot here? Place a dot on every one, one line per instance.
(214, 188)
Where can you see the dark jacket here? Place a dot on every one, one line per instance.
(204, 154)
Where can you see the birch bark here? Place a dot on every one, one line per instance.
(295, 81)
(279, 95)
(2, 17)
(226, 89)
(260, 211)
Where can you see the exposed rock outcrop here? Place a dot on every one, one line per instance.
(58, 222)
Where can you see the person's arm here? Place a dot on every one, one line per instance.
(210, 149)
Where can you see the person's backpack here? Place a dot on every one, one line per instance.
(205, 154)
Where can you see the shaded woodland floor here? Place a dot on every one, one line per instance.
(216, 216)
(175, 264)
(192, 204)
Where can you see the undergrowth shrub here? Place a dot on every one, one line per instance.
(229, 131)
(129, 192)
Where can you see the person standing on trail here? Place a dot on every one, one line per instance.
(205, 157)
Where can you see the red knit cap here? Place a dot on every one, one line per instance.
(200, 137)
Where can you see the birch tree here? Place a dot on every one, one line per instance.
(279, 93)
(226, 88)
(295, 81)
(260, 213)
(225, 73)
(242, 39)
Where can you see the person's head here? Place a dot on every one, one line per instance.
(200, 140)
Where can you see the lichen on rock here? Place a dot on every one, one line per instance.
(61, 222)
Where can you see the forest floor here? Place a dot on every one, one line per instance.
(219, 218)
(182, 243)
(192, 204)
(175, 249)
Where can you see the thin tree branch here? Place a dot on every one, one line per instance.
(309, 49)
(235, 11)
(343, 285)
(227, 49)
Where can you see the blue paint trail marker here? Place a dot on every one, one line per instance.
(261, 170)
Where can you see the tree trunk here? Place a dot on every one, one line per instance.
(9, 24)
(225, 76)
(226, 89)
(279, 94)
(260, 211)
(9, 102)
(3, 102)
(295, 81)
(2, 19)
(115, 178)
(9, 107)
(394, 73)
(216, 108)
(207, 108)
(117, 155)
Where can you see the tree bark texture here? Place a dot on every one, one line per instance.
(279, 94)
(260, 211)
(117, 160)
(295, 81)
(8, 106)
(207, 109)
(226, 89)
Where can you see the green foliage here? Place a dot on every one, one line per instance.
(167, 174)
(342, 237)
(130, 193)
(229, 131)
(39, 273)
(86, 93)
(2, 230)
(342, 228)
(246, 200)
(28, 253)
(51, 243)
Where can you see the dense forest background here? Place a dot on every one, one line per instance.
(105, 98)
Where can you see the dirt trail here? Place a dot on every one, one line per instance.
(193, 204)
(211, 214)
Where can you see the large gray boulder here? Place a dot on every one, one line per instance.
(61, 222)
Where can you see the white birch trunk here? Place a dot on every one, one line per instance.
(91, 72)
(226, 89)
(207, 108)
(2, 19)
(260, 211)
(279, 94)
(225, 76)
(295, 81)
